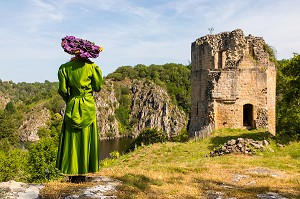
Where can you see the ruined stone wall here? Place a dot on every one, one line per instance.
(233, 83)
(271, 99)
(236, 89)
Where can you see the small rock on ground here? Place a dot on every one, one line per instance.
(106, 189)
(270, 195)
(19, 190)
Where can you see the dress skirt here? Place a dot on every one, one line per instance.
(78, 151)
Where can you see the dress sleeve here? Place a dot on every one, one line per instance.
(97, 79)
(62, 89)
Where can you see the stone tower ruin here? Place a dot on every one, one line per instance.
(233, 84)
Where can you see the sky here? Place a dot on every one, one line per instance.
(132, 31)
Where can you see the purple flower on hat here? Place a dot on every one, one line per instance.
(80, 47)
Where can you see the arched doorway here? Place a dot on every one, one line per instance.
(248, 115)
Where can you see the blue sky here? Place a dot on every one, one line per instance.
(132, 31)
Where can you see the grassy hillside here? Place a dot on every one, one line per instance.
(182, 170)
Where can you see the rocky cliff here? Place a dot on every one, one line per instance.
(35, 119)
(149, 107)
(106, 103)
(152, 108)
(4, 99)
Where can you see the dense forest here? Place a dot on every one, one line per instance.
(35, 162)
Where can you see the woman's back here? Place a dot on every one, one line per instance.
(79, 77)
(78, 147)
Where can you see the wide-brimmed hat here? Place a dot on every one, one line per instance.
(80, 47)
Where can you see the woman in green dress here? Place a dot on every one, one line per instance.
(78, 151)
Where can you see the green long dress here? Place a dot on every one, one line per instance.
(78, 151)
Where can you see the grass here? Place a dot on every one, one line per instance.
(182, 170)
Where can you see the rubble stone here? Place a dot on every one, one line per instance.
(240, 145)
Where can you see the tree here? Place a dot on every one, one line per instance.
(10, 122)
(10, 107)
(288, 97)
(291, 70)
(146, 137)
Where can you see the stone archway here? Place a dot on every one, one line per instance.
(248, 116)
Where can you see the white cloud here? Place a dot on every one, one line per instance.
(43, 5)
(133, 32)
(40, 14)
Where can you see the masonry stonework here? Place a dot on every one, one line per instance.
(233, 84)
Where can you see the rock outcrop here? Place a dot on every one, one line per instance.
(3, 100)
(96, 187)
(150, 107)
(106, 103)
(37, 118)
(19, 190)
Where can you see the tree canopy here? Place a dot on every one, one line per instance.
(288, 97)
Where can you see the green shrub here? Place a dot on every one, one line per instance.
(148, 136)
(123, 113)
(10, 122)
(13, 165)
(114, 154)
(42, 160)
(182, 136)
(43, 132)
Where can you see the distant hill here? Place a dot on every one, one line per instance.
(132, 99)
